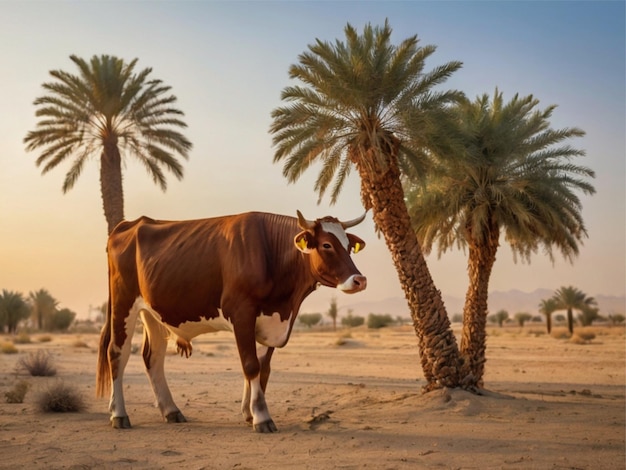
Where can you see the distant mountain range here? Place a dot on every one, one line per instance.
(513, 301)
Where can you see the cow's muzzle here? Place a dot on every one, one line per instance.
(355, 283)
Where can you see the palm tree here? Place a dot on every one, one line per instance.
(547, 307)
(13, 309)
(365, 104)
(43, 306)
(570, 299)
(108, 111)
(514, 177)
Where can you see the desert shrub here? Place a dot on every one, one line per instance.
(61, 320)
(560, 334)
(352, 321)
(17, 393)
(7, 347)
(310, 319)
(60, 398)
(44, 338)
(586, 335)
(376, 321)
(22, 338)
(79, 343)
(39, 364)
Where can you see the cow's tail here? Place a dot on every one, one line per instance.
(103, 371)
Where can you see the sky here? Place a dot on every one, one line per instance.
(227, 63)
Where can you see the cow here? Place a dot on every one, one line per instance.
(247, 273)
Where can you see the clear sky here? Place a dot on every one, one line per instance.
(227, 63)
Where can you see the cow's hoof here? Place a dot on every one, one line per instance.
(120, 422)
(176, 417)
(266, 426)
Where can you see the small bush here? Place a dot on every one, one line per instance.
(60, 398)
(44, 338)
(7, 347)
(376, 321)
(22, 338)
(79, 343)
(310, 319)
(17, 393)
(39, 364)
(352, 321)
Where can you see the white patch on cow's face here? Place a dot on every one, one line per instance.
(271, 331)
(338, 231)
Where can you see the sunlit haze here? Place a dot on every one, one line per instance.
(227, 63)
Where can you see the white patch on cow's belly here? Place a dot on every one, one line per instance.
(191, 329)
(271, 331)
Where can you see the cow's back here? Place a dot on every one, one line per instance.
(183, 269)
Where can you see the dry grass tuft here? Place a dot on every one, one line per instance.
(79, 343)
(17, 393)
(60, 398)
(39, 364)
(44, 338)
(7, 347)
(22, 338)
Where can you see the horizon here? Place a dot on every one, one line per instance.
(227, 63)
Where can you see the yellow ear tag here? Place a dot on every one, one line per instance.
(302, 243)
(357, 247)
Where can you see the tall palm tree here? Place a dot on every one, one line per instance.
(43, 306)
(547, 307)
(108, 111)
(364, 104)
(13, 309)
(514, 178)
(571, 298)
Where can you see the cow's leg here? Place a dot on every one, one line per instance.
(246, 344)
(154, 349)
(265, 355)
(122, 328)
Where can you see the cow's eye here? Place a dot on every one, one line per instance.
(327, 246)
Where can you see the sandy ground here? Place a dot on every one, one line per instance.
(552, 404)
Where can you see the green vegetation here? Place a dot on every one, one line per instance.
(352, 321)
(376, 321)
(310, 319)
(509, 173)
(105, 112)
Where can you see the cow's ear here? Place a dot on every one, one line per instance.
(356, 244)
(303, 242)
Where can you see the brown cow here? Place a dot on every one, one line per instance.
(246, 273)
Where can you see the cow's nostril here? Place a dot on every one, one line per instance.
(360, 281)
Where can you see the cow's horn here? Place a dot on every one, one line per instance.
(303, 223)
(353, 222)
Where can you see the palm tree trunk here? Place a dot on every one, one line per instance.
(570, 320)
(473, 338)
(549, 322)
(382, 192)
(111, 184)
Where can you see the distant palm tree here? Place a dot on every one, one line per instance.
(570, 299)
(514, 177)
(367, 104)
(43, 306)
(547, 307)
(13, 309)
(108, 111)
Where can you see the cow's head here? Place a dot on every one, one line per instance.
(329, 246)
